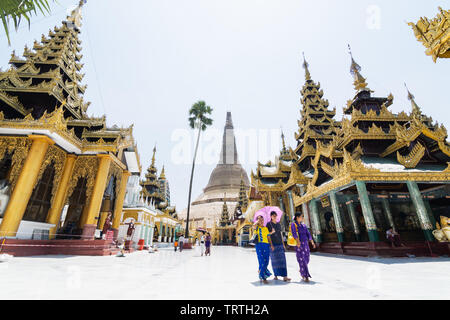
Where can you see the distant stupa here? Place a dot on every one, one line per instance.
(224, 183)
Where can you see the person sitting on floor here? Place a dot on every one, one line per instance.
(394, 238)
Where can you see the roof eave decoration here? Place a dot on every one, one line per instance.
(434, 34)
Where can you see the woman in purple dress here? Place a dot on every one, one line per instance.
(208, 244)
(301, 234)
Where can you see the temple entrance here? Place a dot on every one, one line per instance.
(40, 200)
(5, 185)
(77, 202)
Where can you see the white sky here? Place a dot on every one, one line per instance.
(147, 62)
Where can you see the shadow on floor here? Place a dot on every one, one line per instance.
(384, 260)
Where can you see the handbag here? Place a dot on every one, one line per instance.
(292, 242)
(254, 240)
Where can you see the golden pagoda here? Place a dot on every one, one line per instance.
(434, 34)
(53, 156)
(151, 191)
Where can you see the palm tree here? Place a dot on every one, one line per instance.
(15, 10)
(198, 118)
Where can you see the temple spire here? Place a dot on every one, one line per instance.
(305, 66)
(153, 157)
(163, 173)
(414, 106)
(360, 82)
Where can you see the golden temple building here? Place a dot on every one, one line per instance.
(434, 34)
(62, 172)
(354, 179)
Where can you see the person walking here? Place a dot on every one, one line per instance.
(262, 249)
(301, 234)
(202, 244)
(180, 242)
(277, 248)
(208, 244)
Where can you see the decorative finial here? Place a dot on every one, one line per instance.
(360, 82)
(153, 157)
(282, 139)
(305, 66)
(414, 106)
(74, 21)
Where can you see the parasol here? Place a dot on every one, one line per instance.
(265, 213)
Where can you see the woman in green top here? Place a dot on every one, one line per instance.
(262, 249)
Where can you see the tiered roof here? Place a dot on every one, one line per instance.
(48, 78)
(150, 186)
(317, 122)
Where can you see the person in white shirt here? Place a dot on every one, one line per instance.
(202, 244)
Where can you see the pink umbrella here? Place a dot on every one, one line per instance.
(265, 213)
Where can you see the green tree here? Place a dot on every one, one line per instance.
(16, 10)
(198, 119)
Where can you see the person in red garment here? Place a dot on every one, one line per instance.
(107, 225)
(394, 238)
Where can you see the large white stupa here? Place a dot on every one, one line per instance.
(224, 184)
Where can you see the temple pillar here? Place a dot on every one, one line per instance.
(315, 213)
(421, 210)
(54, 214)
(367, 211)
(305, 208)
(118, 207)
(337, 216)
(387, 212)
(352, 212)
(291, 205)
(24, 187)
(90, 214)
(430, 213)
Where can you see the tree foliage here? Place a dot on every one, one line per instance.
(17, 10)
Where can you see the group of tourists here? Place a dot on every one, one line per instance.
(205, 244)
(270, 246)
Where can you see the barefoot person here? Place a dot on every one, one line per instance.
(301, 234)
(262, 249)
(277, 248)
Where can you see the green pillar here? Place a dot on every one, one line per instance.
(367, 211)
(430, 213)
(291, 205)
(352, 212)
(387, 212)
(421, 210)
(152, 231)
(315, 213)
(337, 216)
(305, 207)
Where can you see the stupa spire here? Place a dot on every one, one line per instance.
(228, 153)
